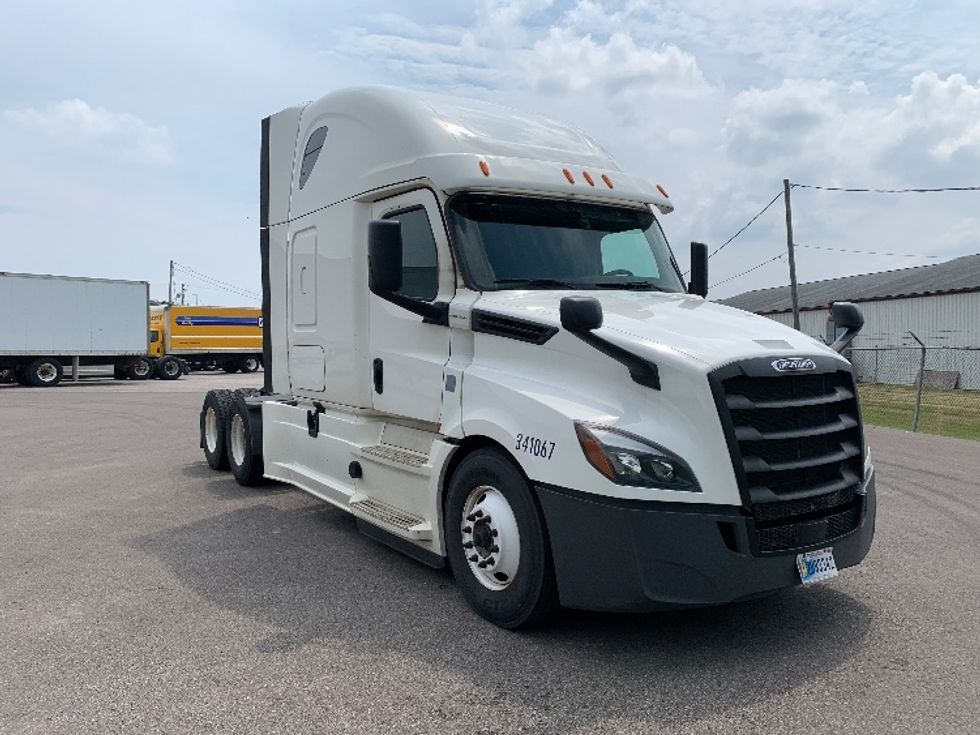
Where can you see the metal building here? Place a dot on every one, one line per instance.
(939, 303)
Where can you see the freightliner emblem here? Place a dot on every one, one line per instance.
(793, 364)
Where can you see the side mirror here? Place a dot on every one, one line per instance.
(699, 269)
(580, 313)
(847, 315)
(384, 256)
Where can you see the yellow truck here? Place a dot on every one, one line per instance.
(202, 337)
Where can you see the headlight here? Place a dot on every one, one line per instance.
(627, 459)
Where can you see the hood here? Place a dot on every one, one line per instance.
(655, 322)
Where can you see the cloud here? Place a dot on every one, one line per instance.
(564, 61)
(75, 122)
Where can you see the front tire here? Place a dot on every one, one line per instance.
(249, 364)
(496, 541)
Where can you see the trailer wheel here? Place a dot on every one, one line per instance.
(214, 422)
(140, 369)
(244, 441)
(230, 366)
(249, 364)
(119, 372)
(44, 372)
(168, 368)
(496, 542)
(7, 375)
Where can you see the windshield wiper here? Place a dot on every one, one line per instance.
(535, 283)
(629, 285)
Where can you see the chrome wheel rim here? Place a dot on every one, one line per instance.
(171, 368)
(46, 372)
(237, 439)
(491, 538)
(211, 429)
(141, 368)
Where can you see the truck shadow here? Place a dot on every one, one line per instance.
(308, 573)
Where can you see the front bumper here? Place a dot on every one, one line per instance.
(633, 555)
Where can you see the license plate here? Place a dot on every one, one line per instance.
(816, 566)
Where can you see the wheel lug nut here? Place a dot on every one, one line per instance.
(489, 561)
(486, 518)
(482, 565)
(479, 514)
(494, 549)
(471, 517)
(493, 532)
(474, 557)
(467, 529)
(468, 545)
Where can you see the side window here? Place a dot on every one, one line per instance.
(311, 153)
(154, 335)
(420, 264)
(628, 251)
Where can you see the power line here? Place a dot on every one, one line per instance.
(222, 285)
(753, 268)
(746, 225)
(865, 252)
(887, 191)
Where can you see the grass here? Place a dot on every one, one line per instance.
(946, 412)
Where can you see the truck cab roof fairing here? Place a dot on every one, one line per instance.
(381, 135)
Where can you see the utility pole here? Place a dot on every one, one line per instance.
(170, 285)
(792, 260)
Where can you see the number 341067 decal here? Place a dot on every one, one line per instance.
(534, 446)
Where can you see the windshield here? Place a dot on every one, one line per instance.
(522, 242)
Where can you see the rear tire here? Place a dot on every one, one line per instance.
(230, 366)
(168, 368)
(214, 423)
(491, 514)
(140, 368)
(244, 443)
(45, 372)
(7, 375)
(249, 364)
(119, 372)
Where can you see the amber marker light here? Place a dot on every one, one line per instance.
(568, 175)
(607, 180)
(662, 190)
(594, 453)
(588, 178)
(485, 168)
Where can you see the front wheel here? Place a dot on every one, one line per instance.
(497, 544)
(249, 364)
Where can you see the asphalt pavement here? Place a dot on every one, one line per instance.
(140, 592)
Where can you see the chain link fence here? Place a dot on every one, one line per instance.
(930, 389)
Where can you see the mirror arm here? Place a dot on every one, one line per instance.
(841, 343)
(642, 371)
(435, 312)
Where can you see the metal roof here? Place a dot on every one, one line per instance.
(957, 275)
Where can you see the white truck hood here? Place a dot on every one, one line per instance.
(710, 333)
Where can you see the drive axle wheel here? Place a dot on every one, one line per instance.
(244, 443)
(496, 542)
(169, 368)
(214, 419)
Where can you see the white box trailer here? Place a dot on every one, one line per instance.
(478, 342)
(49, 322)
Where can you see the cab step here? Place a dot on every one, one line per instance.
(391, 518)
(398, 457)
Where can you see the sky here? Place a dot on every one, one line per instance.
(129, 132)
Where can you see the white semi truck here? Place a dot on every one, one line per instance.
(48, 323)
(478, 342)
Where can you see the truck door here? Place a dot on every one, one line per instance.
(408, 355)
